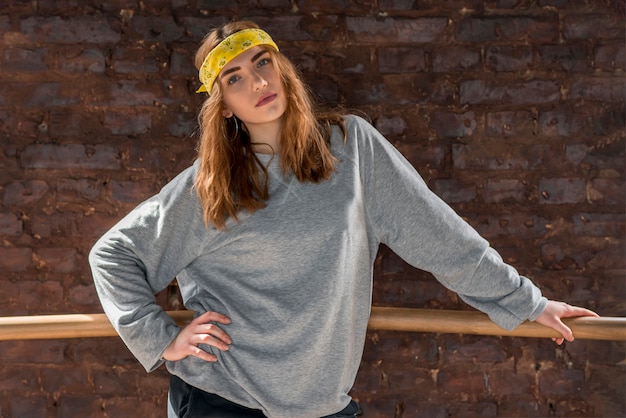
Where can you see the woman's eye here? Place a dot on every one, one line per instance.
(263, 61)
(233, 79)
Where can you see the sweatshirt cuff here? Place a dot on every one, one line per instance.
(541, 306)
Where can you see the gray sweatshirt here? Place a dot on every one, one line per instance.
(295, 277)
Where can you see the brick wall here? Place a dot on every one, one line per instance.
(512, 110)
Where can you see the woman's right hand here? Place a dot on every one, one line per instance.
(202, 330)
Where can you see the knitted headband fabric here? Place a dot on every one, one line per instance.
(227, 50)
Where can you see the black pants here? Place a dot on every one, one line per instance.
(186, 401)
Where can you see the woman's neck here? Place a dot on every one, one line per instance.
(265, 138)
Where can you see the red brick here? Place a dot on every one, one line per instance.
(608, 191)
(10, 224)
(510, 124)
(15, 259)
(405, 89)
(523, 405)
(34, 352)
(90, 29)
(135, 59)
(284, 28)
(512, 224)
(80, 61)
(5, 24)
(570, 58)
(508, 382)
(561, 190)
(216, 5)
(326, 6)
(396, 4)
(453, 125)
(475, 349)
(141, 407)
(66, 378)
(473, 410)
(610, 57)
(592, 26)
(75, 124)
(397, 381)
(599, 224)
(504, 58)
(560, 382)
(123, 123)
(95, 225)
(144, 93)
(485, 156)
(493, 92)
(541, 29)
(183, 125)
(563, 123)
(156, 28)
(461, 381)
(454, 59)
(197, 25)
(356, 60)
(70, 155)
(553, 3)
(44, 94)
(24, 60)
(81, 405)
(476, 30)
(454, 191)
(25, 193)
(32, 406)
(109, 351)
(505, 190)
(40, 297)
(70, 190)
(114, 380)
(57, 225)
(484, 29)
(401, 60)
(60, 260)
(390, 125)
(418, 30)
(23, 379)
(181, 63)
(411, 293)
(84, 296)
(599, 89)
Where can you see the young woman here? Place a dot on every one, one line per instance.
(272, 235)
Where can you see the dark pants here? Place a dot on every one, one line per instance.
(186, 401)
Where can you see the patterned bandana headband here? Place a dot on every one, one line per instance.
(227, 50)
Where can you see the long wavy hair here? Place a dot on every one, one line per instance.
(230, 177)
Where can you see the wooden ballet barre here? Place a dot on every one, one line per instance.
(382, 318)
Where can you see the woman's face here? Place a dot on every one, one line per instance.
(252, 89)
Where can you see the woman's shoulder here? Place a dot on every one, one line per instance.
(356, 121)
(359, 131)
(349, 139)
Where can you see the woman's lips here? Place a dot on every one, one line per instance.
(265, 99)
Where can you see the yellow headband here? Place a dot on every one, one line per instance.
(227, 50)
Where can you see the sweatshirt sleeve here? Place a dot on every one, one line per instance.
(139, 257)
(424, 231)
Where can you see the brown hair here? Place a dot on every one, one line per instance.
(230, 176)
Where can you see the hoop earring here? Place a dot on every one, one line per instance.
(224, 130)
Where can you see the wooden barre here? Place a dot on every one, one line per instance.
(382, 318)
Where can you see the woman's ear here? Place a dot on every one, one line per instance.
(227, 113)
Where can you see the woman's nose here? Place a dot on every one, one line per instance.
(259, 82)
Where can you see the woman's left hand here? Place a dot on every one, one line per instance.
(554, 312)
